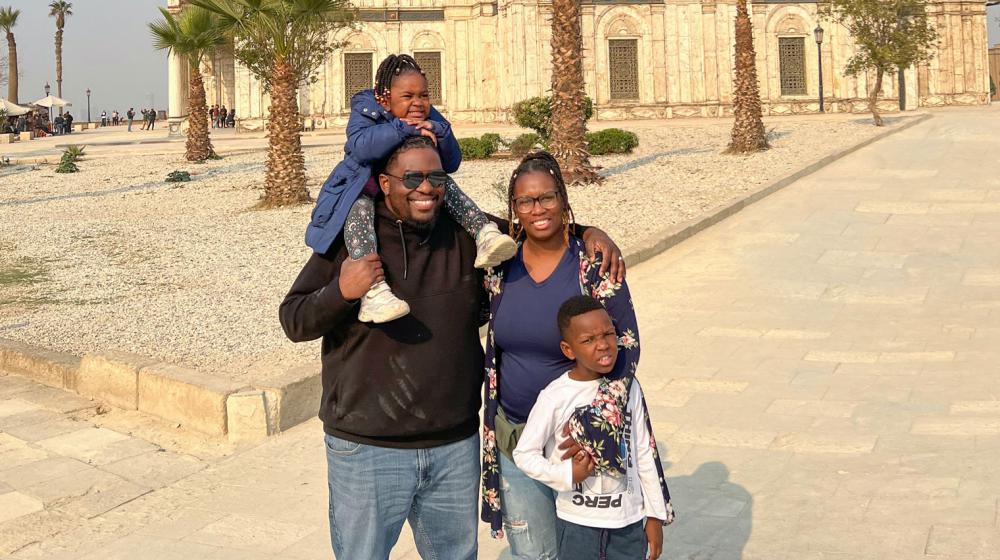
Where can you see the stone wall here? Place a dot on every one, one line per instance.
(497, 53)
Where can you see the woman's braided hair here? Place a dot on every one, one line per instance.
(544, 162)
(392, 67)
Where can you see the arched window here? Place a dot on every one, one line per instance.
(623, 69)
(792, 65)
(430, 63)
(358, 74)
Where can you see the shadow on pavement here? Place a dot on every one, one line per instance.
(714, 516)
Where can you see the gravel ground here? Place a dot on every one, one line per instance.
(113, 258)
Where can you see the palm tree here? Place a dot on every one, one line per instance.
(59, 9)
(282, 42)
(569, 123)
(8, 19)
(748, 130)
(194, 34)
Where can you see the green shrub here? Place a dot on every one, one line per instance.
(74, 153)
(611, 141)
(536, 113)
(494, 140)
(66, 167)
(475, 148)
(178, 177)
(525, 143)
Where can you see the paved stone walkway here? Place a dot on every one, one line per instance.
(821, 368)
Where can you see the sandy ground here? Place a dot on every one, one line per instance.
(114, 258)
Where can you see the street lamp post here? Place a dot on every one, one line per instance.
(818, 33)
(88, 106)
(47, 88)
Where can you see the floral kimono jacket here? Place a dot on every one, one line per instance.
(598, 428)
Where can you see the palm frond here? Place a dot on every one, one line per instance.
(8, 18)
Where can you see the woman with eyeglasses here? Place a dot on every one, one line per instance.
(523, 354)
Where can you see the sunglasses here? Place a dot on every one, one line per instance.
(413, 179)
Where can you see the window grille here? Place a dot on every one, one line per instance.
(792, 60)
(357, 74)
(623, 69)
(430, 63)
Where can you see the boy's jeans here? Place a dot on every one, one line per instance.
(373, 490)
(591, 543)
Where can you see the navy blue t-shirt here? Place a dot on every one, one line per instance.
(527, 335)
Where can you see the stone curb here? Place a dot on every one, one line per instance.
(218, 407)
(197, 401)
(657, 243)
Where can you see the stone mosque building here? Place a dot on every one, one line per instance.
(642, 59)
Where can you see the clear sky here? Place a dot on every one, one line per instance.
(106, 48)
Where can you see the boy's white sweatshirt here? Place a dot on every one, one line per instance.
(601, 501)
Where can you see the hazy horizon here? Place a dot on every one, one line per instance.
(106, 47)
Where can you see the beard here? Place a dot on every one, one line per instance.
(423, 227)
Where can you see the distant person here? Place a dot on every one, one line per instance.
(59, 124)
(231, 119)
(22, 123)
(152, 119)
(214, 113)
(222, 116)
(104, 118)
(131, 116)
(68, 122)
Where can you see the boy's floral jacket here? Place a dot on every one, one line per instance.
(597, 428)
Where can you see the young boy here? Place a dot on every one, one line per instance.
(603, 517)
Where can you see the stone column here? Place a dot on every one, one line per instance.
(178, 89)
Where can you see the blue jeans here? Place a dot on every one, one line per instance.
(529, 514)
(592, 543)
(373, 490)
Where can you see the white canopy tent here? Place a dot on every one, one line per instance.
(12, 110)
(52, 101)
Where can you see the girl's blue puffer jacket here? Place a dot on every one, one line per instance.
(373, 133)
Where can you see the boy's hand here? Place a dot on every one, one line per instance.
(569, 447)
(654, 535)
(583, 466)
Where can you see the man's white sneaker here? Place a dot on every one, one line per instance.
(380, 305)
(493, 247)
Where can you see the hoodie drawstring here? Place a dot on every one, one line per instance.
(402, 238)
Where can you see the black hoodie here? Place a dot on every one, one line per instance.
(414, 382)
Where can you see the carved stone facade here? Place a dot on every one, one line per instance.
(642, 59)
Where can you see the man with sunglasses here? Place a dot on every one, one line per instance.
(400, 404)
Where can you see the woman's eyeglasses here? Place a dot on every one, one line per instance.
(547, 200)
(413, 179)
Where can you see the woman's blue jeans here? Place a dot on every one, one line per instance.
(529, 514)
(373, 490)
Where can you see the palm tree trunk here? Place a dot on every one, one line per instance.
(873, 98)
(11, 68)
(59, 39)
(748, 129)
(569, 126)
(199, 145)
(285, 181)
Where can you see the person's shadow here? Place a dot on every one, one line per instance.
(714, 516)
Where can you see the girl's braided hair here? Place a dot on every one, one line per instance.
(544, 162)
(393, 66)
